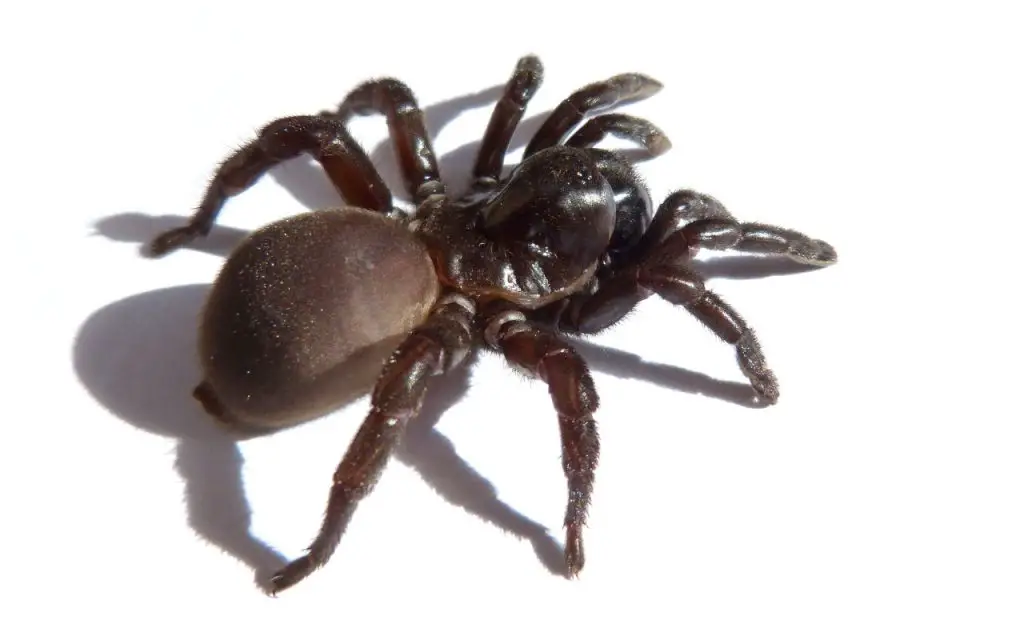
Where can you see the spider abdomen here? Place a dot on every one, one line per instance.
(305, 312)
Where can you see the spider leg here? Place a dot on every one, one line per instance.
(434, 348)
(625, 126)
(689, 221)
(413, 146)
(326, 139)
(686, 222)
(593, 312)
(682, 286)
(599, 96)
(548, 357)
(527, 77)
(707, 224)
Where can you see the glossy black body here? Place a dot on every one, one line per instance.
(545, 228)
(567, 243)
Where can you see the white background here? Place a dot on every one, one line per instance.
(881, 498)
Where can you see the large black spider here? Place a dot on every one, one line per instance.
(310, 307)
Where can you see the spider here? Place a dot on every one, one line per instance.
(567, 244)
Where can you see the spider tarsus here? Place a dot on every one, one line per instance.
(817, 253)
(169, 241)
(752, 362)
(658, 143)
(293, 573)
(767, 388)
(652, 86)
(574, 557)
(634, 86)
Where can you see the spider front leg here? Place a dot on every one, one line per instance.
(660, 264)
(621, 125)
(682, 286)
(395, 100)
(525, 80)
(326, 139)
(548, 357)
(688, 221)
(436, 347)
(620, 89)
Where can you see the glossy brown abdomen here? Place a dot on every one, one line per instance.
(305, 312)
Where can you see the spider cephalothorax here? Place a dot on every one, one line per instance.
(313, 309)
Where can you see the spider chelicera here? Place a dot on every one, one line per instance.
(307, 308)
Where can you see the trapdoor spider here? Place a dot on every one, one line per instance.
(566, 244)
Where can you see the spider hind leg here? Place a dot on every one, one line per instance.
(326, 139)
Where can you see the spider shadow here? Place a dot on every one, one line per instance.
(135, 357)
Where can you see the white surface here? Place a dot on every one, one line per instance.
(881, 498)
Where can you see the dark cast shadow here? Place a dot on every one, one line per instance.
(433, 457)
(136, 356)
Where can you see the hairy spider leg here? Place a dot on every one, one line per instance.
(707, 224)
(434, 348)
(595, 97)
(622, 125)
(396, 102)
(525, 80)
(548, 357)
(685, 222)
(326, 139)
(699, 221)
(684, 287)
